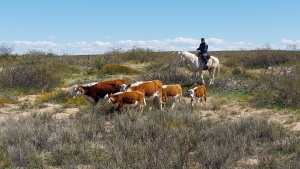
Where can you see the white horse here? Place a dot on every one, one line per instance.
(213, 64)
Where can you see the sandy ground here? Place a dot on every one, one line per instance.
(232, 111)
(25, 108)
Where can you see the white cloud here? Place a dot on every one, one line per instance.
(291, 44)
(179, 43)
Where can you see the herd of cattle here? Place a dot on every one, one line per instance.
(121, 93)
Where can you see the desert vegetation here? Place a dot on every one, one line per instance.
(158, 140)
(216, 136)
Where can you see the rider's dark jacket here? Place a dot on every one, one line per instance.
(203, 48)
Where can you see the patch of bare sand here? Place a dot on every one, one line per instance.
(66, 114)
(235, 111)
(247, 162)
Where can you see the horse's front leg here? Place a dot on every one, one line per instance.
(194, 76)
(212, 76)
(202, 78)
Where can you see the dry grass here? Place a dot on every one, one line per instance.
(154, 139)
(176, 139)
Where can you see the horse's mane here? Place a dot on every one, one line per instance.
(189, 54)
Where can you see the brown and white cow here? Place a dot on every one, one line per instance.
(172, 93)
(134, 98)
(151, 89)
(198, 94)
(93, 93)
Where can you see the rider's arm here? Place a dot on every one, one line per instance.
(206, 48)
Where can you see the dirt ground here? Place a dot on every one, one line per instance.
(226, 111)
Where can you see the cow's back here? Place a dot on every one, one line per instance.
(149, 88)
(201, 91)
(117, 82)
(172, 90)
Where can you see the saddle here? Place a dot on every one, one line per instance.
(204, 59)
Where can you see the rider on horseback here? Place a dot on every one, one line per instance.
(203, 53)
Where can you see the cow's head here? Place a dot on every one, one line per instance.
(123, 87)
(78, 91)
(191, 93)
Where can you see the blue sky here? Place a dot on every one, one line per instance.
(96, 26)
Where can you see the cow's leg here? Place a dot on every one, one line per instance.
(174, 99)
(192, 105)
(160, 103)
(140, 107)
(93, 108)
(119, 108)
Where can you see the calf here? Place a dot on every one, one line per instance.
(151, 89)
(198, 94)
(93, 93)
(134, 98)
(172, 93)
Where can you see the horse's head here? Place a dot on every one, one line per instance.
(181, 58)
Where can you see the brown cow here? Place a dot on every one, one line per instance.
(151, 89)
(171, 93)
(94, 93)
(198, 94)
(134, 98)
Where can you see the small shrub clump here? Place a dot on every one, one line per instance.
(60, 97)
(113, 69)
(158, 139)
(29, 77)
(279, 87)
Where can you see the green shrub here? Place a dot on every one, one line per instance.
(257, 58)
(5, 161)
(137, 55)
(35, 77)
(60, 97)
(279, 87)
(100, 62)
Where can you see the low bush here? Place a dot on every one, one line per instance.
(168, 73)
(29, 77)
(60, 97)
(257, 59)
(137, 55)
(114, 69)
(6, 100)
(176, 139)
(279, 87)
(100, 62)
